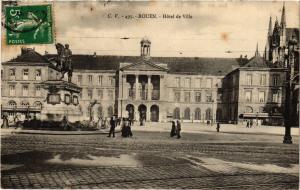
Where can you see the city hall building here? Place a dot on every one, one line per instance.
(157, 89)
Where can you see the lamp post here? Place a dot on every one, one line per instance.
(212, 112)
(289, 91)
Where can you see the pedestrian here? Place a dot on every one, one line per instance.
(251, 123)
(65, 123)
(178, 129)
(247, 125)
(112, 127)
(123, 129)
(218, 126)
(173, 130)
(99, 123)
(17, 121)
(5, 122)
(126, 129)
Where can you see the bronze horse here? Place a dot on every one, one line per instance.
(63, 60)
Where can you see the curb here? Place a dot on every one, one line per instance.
(61, 132)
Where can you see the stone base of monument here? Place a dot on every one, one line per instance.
(56, 113)
(62, 100)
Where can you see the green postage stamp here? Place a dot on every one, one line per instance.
(29, 24)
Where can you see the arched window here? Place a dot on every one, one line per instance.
(248, 109)
(110, 111)
(187, 114)
(12, 103)
(38, 104)
(176, 113)
(197, 114)
(208, 114)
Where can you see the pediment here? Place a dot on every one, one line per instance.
(143, 66)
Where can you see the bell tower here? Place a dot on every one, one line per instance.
(145, 48)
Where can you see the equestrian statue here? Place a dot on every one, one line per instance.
(63, 60)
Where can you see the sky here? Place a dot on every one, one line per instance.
(215, 28)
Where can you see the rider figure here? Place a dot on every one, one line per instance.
(68, 66)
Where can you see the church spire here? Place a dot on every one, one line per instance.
(283, 20)
(270, 27)
(256, 52)
(276, 23)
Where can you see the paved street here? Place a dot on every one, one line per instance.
(151, 159)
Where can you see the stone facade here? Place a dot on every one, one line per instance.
(97, 98)
(21, 90)
(254, 94)
(147, 88)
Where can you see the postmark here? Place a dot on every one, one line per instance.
(29, 24)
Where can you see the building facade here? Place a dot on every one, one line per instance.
(157, 89)
(256, 92)
(21, 83)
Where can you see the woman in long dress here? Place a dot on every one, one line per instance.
(173, 130)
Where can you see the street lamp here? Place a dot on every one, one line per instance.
(212, 112)
(289, 91)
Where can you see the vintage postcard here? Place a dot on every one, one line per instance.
(150, 95)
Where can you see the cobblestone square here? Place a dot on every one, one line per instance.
(151, 159)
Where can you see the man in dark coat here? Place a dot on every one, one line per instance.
(5, 122)
(112, 127)
(178, 129)
(218, 127)
(248, 124)
(173, 130)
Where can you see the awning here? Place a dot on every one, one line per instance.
(260, 115)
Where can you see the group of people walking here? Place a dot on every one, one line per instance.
(175, 130)
(249, 124)
(125, 127)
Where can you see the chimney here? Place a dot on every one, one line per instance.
(25, 50)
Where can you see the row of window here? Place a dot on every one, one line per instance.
(25, 74)
(197, 114)
(99, 94)
(98, 79)
(68, 99)
(197, 96)
(262, 96)
(262, 79)
(25, 91)
(199, 82)
(24, 103)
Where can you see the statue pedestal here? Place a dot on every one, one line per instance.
(62, 100)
